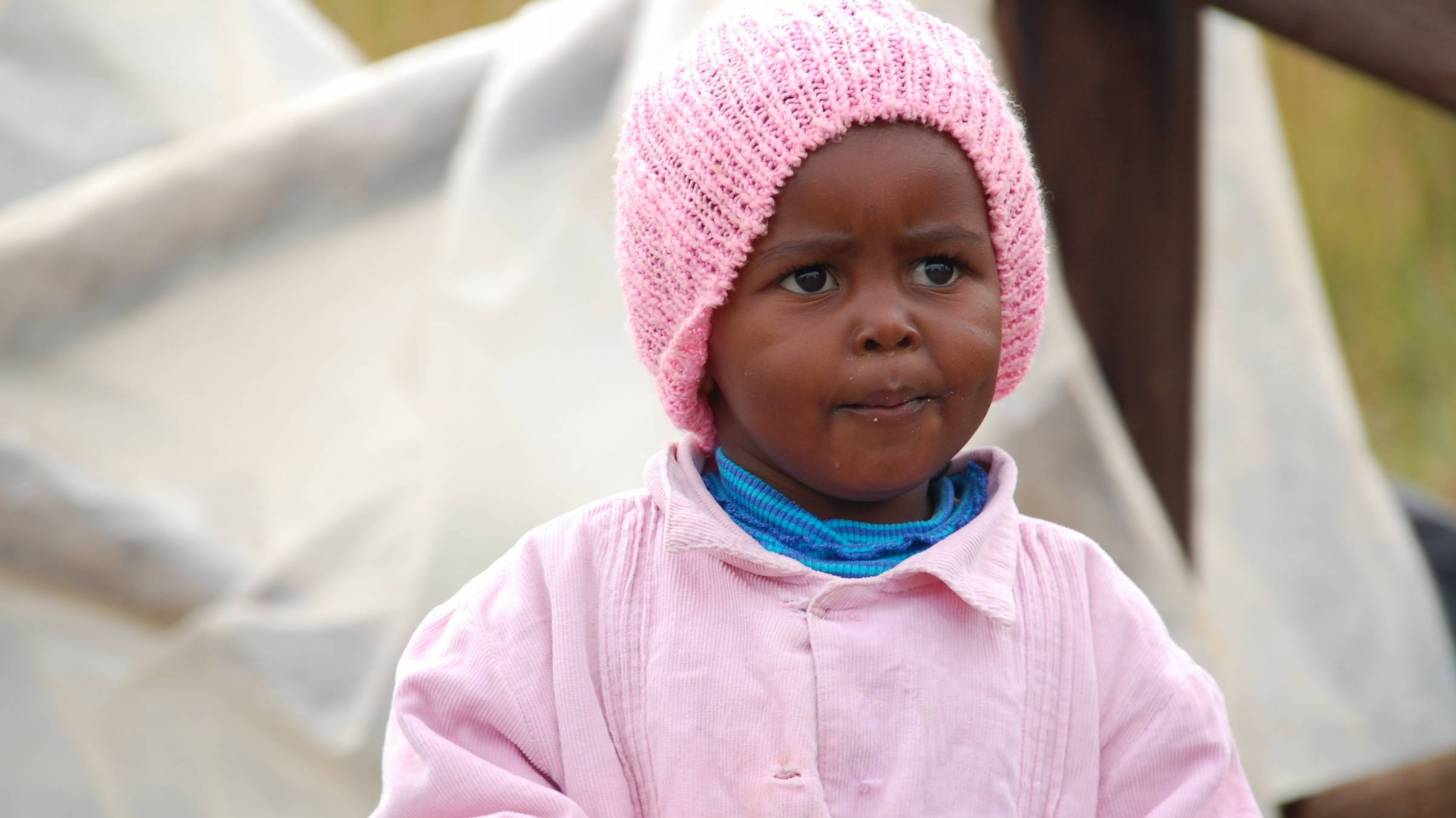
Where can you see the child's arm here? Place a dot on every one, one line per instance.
(1167, 749)
(458, 742)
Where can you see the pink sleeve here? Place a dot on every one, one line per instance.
(1167, 749)
(458, 744)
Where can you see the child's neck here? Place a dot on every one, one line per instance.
(910, 505)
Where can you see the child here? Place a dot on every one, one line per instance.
(832, 246)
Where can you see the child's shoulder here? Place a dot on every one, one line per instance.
(1081, 569)
(1040, 542)
(1049, 540)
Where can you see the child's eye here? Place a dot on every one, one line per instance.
(809, 281)
(936, 272)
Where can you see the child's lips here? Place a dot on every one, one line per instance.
(889, 404)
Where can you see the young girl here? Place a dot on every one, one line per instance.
(832, 246)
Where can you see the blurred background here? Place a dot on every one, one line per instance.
(307, 312)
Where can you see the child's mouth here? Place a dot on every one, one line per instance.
(889, 405)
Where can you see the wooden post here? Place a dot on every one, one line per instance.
(1110, 92)
(1408, 43)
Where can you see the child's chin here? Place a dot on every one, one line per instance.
(875, 483)
(891, 466)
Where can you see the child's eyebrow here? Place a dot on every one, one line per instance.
(811, 246)
(934, 233)
(837, 241)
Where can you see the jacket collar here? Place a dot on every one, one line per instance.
(977, 562)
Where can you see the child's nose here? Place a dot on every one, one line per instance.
(886, 328)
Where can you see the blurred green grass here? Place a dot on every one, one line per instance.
(1377, 172)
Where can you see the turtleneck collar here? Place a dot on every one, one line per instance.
(844, 548)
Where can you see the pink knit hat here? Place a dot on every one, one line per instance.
(710, 140)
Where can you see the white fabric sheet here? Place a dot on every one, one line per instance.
(1329, 610)
(85, 82)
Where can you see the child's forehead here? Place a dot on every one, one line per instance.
(881, 162)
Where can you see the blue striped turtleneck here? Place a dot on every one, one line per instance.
(845, 548)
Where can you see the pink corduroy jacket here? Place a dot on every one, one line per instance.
(642, 656)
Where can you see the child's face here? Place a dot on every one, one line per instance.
(858, 349)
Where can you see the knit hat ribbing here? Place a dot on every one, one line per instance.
(708, 143)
